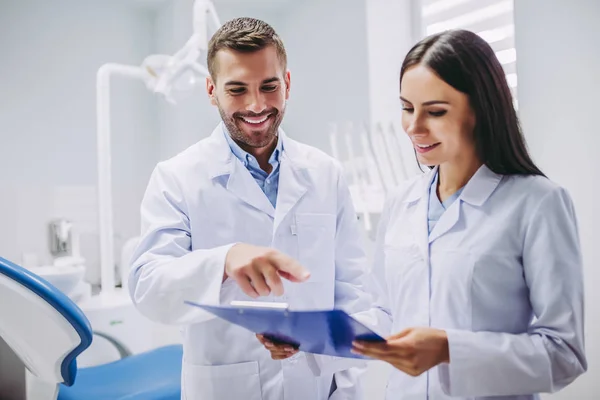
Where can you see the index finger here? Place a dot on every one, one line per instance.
(273, 281)
(289, 268)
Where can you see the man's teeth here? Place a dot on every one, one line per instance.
(256, 121)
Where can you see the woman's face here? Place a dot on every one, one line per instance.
(437, 118)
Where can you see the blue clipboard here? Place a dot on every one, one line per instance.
(319, 332)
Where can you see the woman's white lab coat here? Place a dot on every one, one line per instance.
(200, 202)
(501, 272)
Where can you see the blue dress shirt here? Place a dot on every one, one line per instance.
(269, 183)
(437, 208)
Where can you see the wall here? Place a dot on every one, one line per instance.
(192, 117)
(559, 60)
(51, 52)
(327, 51)
(392, 29)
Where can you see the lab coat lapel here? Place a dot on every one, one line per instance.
(418, 219)
(479, 188)
(239, 181)
(293, 180)
(242, 184)
(447, 221)
(419, 225)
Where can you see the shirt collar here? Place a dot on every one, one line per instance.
(476, 192)
(247, 158)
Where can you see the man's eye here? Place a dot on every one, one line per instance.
(237, 90)
(269, 88)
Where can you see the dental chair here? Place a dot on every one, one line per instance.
(47, 331)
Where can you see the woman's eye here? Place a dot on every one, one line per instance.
(407, 109)
(437, 113)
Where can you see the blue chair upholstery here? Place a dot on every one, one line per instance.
(48, 331)
(154, 375)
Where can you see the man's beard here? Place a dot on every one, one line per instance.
(240, 136)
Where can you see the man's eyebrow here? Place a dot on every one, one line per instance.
(240, 83)
(235, 83)
(271, 80)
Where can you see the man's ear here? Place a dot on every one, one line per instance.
(210, 89)
(287, 80)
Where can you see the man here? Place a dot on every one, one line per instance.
(225, 219)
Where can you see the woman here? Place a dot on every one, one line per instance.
(478, 260)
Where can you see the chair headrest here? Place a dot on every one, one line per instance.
(42, 325)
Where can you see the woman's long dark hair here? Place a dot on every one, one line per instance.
(467, 63)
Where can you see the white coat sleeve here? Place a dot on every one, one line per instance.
(165, 271)
(551, 354)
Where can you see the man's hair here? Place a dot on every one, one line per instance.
(245, 35)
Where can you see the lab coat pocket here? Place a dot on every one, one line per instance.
(217, 382)
(316, 245)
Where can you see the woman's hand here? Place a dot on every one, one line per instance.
(413, 351)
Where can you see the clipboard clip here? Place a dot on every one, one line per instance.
(259, 305)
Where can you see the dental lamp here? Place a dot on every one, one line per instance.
(162, 74)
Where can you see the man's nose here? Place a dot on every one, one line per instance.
(256, 103)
